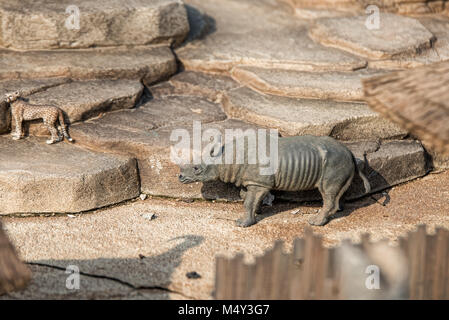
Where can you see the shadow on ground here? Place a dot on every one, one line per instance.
(109, 278)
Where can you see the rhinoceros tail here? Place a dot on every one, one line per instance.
(366, 183)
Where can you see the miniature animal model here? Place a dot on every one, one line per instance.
(304, 163)
(21, 111)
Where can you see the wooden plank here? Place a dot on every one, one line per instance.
(332, 282)
(308, 265)
(417, 249)
(280, 268)
(296, 269)
(250, 281)
(415, 99)
(14, 274)
(228, 279)
(237, 276)
(441, 265)
(321, 270)
(257, 291)
(430, 267)
(266, 276)
(220, 284)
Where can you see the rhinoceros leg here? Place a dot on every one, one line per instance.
(331, 201)
(253, 200)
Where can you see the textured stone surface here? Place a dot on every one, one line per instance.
(37, 178)
(407, 62)
(271, 38)
(317, 85)
(398, 6)
(48, 283)
(27, 86)
(396, 162)
(81, 100)
(189, 83)
(288, 49)
(397, 35)
(158, 173)
(144, 133)
(341, 120)
(149, 64)
(31, 24)
(203, 84)
(323, 4)
(313, 13)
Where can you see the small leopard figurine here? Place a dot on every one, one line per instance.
(22, 110)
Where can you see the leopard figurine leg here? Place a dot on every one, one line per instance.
(55, 137)
(19, 131)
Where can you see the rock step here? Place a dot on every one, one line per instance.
(37, 178)
(398, 6)
(291, 116)
(149, 64)
(342, 86)
(190, 83)
(26, 86)
(81, 100)
(289, 49)
(396, 35)
(272, 38)
(144, 133)
(341, 120)
(88, 23)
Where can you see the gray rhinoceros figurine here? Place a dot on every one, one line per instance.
(304, 163)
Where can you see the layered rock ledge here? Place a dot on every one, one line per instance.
(37, 178)
(31, 24)
(146, 63)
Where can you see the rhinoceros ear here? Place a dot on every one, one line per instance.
(217, 150)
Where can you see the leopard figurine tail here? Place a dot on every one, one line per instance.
(63, 126)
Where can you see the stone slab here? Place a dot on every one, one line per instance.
(272, 38)
(149, 64)
(396, 35)
(290, 48)
(342, 86)
(31, 24)
(190, 83)
(144, 133)
(341, 120)
(38, 178)
(412, 7)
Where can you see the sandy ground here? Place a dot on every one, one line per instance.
(124, 254)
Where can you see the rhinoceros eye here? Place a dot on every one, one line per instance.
(197, 169)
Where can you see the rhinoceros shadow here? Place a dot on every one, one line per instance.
(200, 23)
(144, 277)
